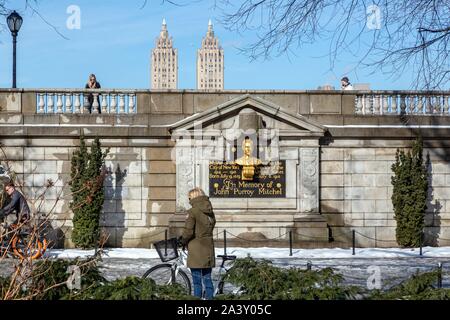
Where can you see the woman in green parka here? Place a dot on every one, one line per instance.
(198, 236)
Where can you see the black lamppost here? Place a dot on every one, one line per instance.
(14, 23)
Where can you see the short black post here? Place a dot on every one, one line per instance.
(353, 242)
(290, 243)
(96, 243)
(165, 242)
(308, 265)
(421, 243)
(224, 242)
(439, 275)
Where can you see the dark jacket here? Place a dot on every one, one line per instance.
(198, 234)
(97, 86)
(90, 97)
(17, 205)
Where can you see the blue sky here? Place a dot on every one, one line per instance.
(116, 38)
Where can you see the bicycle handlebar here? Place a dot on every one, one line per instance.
(226, 257)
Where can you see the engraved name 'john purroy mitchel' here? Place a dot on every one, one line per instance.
(225, 181)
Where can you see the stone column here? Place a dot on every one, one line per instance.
(309, 180)
(185, 173)
(309, 225)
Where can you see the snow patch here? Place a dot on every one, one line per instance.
(267, 253)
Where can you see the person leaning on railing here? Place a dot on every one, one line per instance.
(345, 84)
(92, 84)
(198, 236)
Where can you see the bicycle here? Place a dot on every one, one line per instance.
(22, 244)
(172, 273)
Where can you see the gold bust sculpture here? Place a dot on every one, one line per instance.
(247, 161)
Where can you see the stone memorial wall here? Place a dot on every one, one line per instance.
(333, 157)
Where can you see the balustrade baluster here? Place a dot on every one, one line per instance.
(358, 107)
(437, 104)
(95, 105)
(402, 104)
(368, 104)
(446, 108)
(86, 103)
(68, 103)
(105, 103)
(385, 104)
(131, 104)
(50, 103)
(59, 103)
(41, 103)
(394, 103)
(428, 107)
(376, 104)
(113, 103)
(77, 103)
(420, 105)
(411, 105)
(121, 103)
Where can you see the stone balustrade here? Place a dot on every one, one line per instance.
(173, 103)
(86, 101)
(404, 102)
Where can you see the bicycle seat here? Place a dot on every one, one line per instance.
(227, 257)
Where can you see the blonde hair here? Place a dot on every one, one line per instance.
(196, 192)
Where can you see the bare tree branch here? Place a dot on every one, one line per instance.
(46, 21)
(406, 34)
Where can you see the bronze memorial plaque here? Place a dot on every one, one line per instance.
(225, 181)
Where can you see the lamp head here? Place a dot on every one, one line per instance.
(14, 21)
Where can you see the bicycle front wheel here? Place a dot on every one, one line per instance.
(162, 274)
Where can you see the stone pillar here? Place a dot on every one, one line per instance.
(309, 225)
(185, 167)
(309, 180)
(185, 175)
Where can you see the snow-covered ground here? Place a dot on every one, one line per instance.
(392, 265)
(269, 253)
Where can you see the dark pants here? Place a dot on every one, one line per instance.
(199, 276)
(90, 102)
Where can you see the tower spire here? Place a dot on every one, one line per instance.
(164, 33)
(210, 62)
(164, 66)
(210, 32)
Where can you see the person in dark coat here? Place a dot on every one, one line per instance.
(18, 204)
(198, 236)
(92, 84)
(345, 84)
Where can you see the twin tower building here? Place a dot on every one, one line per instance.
(210, 62)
